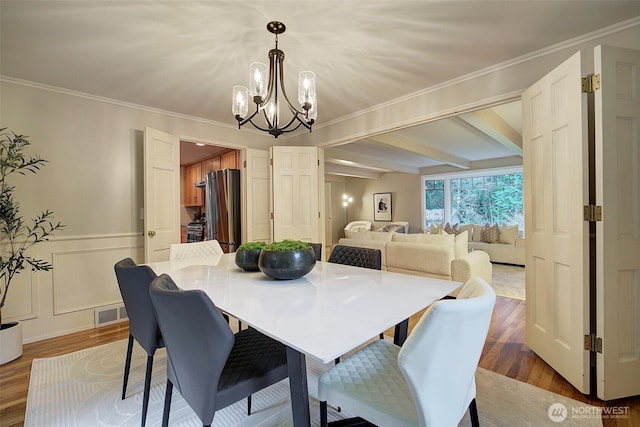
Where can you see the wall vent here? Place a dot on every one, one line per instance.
(110, 314)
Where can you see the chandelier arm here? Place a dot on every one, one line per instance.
(292, 121)
(272, 80)
(284, 92)
(242, 121)
(260, 128)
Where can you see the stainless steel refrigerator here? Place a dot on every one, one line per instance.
(222, 207)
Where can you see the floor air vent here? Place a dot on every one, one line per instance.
(110, 314)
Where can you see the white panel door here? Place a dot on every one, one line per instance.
(555, 163)
(617, 153)
(258, 192)
(296, 194)
(161, 193)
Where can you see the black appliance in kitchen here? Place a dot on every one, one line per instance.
(222, 208)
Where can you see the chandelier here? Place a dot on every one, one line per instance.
(266, 87)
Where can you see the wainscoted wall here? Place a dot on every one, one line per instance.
(63, 300)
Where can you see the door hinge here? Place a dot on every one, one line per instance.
(593, 343)
(271, 162)
(592, 213)
(244, 163)
(318, 214)
(271, 214)
(591, 83)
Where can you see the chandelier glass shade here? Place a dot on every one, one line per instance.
(266, 90)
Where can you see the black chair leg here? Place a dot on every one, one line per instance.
(323, 414)
(473, 413)
(127, 366)
(381, 335)
(147, 388)
(248, 405)
(167, 404)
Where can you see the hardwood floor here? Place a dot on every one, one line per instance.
(505, 353)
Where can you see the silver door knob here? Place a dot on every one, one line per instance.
(151, 233)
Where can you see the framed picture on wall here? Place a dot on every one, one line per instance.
(382, 206)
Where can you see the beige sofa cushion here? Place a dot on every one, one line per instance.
(477, 232)
(509, 234)
(420, 257)
(433, 239)
(368, 235)
(469, 229)
(460, 241)
(461, 244)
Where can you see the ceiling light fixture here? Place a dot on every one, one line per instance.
(265, 87)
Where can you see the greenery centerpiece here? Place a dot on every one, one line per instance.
(247, 255)
(18, 237)
(286, 259)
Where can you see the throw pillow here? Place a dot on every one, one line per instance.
(509, 234)
(461, 243)
(452, 229)
(360, 228)
(392, 227)
(491, 233)
(434, 228)
(469, 229)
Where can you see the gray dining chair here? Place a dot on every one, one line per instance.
(214, 368)
(317, 249)
(134, 281)
(358, 257)
(430, 380)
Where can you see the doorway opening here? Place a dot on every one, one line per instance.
(196, 161)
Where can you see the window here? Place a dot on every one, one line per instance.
(478, 198)
(434, 200)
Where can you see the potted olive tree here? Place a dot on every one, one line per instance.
(17, 237)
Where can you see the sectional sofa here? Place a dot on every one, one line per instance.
(504, 244)
(431, 255)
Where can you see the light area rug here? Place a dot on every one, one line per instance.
(508, 281)
(83, 389)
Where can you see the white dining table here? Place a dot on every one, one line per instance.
(325, 314)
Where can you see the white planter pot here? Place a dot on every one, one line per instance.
(10, 342)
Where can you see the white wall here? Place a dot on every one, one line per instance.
(93, 182)
(405, 191)
(336, 210)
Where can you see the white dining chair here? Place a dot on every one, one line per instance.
(430, 380)
(183, 251)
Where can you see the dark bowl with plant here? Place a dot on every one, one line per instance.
(287, 259)
(247, 255)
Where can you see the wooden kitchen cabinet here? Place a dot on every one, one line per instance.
(193, 196)
(210, 165)
(229, 160)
